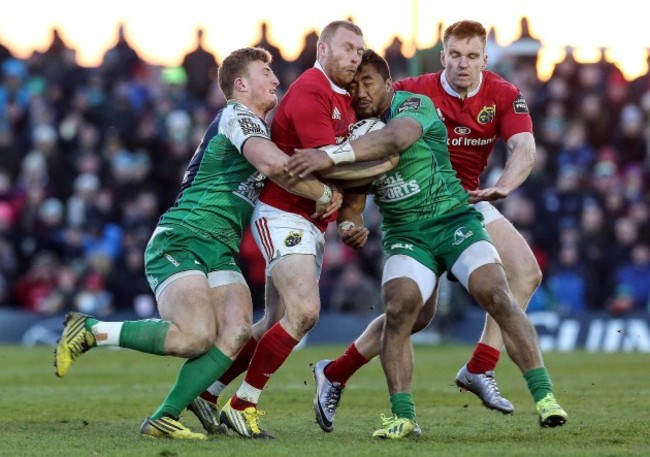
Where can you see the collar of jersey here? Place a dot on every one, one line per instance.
(452, 92)
(335, 88)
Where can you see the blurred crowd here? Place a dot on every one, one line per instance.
(90, 158)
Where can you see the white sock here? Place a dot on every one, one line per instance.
(216, 388)
(248, 393)
(107, 333)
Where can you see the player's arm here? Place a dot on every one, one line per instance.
(350, 220)
(271, 160)
(521, 158)
(398, 135)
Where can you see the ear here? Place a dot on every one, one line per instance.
(321, 48)
(240, 84)
(443, 58)
(389, 84)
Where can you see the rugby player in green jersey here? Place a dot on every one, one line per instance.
(202, 297)
(428, 228)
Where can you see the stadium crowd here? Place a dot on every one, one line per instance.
(90, 157)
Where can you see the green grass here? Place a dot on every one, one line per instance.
(97, 409)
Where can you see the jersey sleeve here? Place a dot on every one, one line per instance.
(310, 111)
(419, 108)
(240, 124)
(515, 117)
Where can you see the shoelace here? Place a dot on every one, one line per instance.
(387, 420)
(78, 346)
(253, 419)
(492, 383)
(333, 397)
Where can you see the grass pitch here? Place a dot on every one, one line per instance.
(96, 410)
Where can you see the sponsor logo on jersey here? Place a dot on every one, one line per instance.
(250, 188)
(394, 188)
(520, 105)
(462, 130)
(406, 246)
(293, 239)
(486, 115)
(250, 127)
(336, 114)
(461, 234)
(410, 103)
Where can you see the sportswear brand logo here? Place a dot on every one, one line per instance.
(172, 260)
(461, 234)
(406, 246)
(336, 114)
(460, 130)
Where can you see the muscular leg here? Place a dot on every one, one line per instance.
(488, 285)
(402, 303)
(522, 272)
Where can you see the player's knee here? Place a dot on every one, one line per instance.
(401, 312)
(196, 344)
(496, 299)
(306, 321)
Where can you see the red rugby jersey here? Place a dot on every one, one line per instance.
(474, 125)
(313, 113)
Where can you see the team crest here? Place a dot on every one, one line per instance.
(293, 239)
(461, 234)
(486, 115)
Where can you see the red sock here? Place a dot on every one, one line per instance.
(241, 362)
(240, 365)
(342, 369)
(484, 358)
(271, 352)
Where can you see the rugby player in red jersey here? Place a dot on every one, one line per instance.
(478, 108)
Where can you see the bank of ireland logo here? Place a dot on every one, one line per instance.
(486, 115)
(461, 234)
(293, 239)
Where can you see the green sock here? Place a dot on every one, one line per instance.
(193, 378)
(145, 336)
(539, 383)
(401, 404)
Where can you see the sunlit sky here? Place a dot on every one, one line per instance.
(163, 31)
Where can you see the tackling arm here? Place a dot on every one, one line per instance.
(521, 158)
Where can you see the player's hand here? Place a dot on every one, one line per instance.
(325, 211)
(305, 161)
(356, 237)
(488, 194)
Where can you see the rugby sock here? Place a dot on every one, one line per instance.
(484, 358)
(192, 378)
(271, 352)
(106, 333)
(240, 365)
(539, 383)
(145, 336)
(342, 369)
(401, 404)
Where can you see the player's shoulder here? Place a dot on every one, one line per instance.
(405, 100)
(498, 84)
(416, 83)
(311, 80)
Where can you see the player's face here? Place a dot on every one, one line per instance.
(371, 94)
(342, 56)
(463, 60)
(263, 85)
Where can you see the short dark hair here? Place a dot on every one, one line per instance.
(236, 65)
(466, 29)
(370, 57)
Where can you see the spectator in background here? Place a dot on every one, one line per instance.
(306, 58)
(428, 60)
(632, 290)
(280, 65)
(568, 280)
(121, 62)
(394, 55)
(355, 292)
(201, 68)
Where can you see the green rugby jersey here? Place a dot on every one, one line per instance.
(220, 186)
(423, 185)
